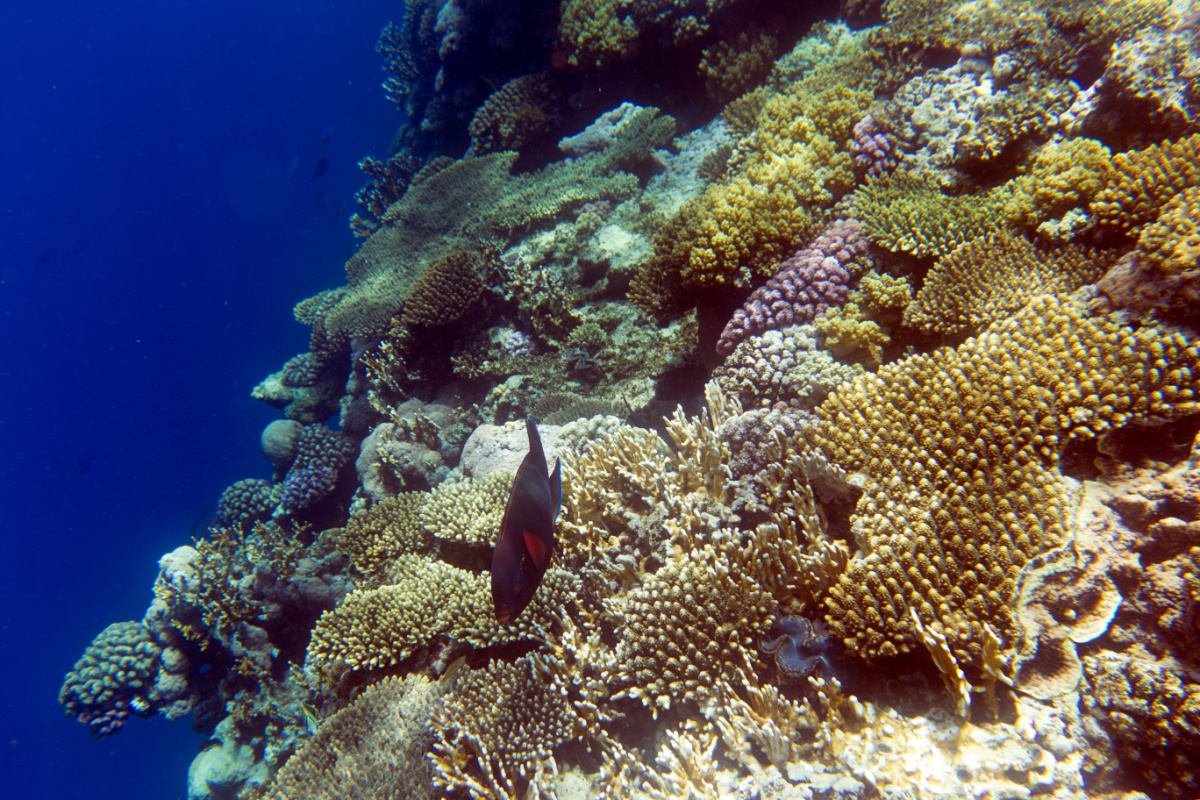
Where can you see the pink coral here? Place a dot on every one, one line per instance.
(815, 279)
(872, 147)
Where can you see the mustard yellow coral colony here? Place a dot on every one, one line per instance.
(958, 518)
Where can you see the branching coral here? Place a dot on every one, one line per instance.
(783, 366)
(375, 538)
(468, 511)
(516, 114)
(1061, 181)
(374, 749)
(988, 278)
(958, 453)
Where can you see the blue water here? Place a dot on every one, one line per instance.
(157, 135)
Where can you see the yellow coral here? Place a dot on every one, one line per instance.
(1172, 242)
(988, 278)
(1142, 182)
(958, 452)
(905, 213)
(381, 627)
(467, 511)
(376, 537)
(1062, 179)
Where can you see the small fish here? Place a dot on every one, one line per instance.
(83, 464)
(326, 133)
(46, 257)
(319, 169)
(526, 541)
(319, 202)
(290, 170)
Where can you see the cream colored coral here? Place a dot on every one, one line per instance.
(468, 511)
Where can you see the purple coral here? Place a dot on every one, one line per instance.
(313, 474)
(812, 281)
(873, 148)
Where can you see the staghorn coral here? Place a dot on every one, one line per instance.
(814, 279)
(468, 511)
(1142, 182)
(427, 600)
(988, 278)
(376, 537)
(906, 213)
(113, 678)
(782, 366)
(376, 748)
(499, 728)
(518, 113)
(957, 455)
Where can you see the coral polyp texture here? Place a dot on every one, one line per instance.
(816, 278)
(1142, 182)
(958, 454)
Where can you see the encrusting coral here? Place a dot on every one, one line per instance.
(957, 452)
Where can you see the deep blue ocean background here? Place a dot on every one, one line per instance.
(157, 135)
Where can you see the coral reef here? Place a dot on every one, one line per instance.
(113, 679)
(321, 454)
(246, 501)
(782, 366)
(519, 112)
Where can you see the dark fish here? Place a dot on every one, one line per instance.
(526, 540)
(83, 464)
(319, 202)
(319, 169)
(326, 132)
(46, 257)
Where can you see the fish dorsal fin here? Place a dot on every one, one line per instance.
(556, 488)
(537, 549)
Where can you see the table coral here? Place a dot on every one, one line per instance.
(814, 279)
(377, 628)
(986, 279)
(958, 453)
(907, 213)
(373, 749)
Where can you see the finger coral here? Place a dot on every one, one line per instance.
(113, 678)
(321, 455)
(958, 455)
(986, 279)
(468, 511)
(1142, 182)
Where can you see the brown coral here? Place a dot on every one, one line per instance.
(988, 278)
(957, 452)
(516, 114)
(444, 292)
